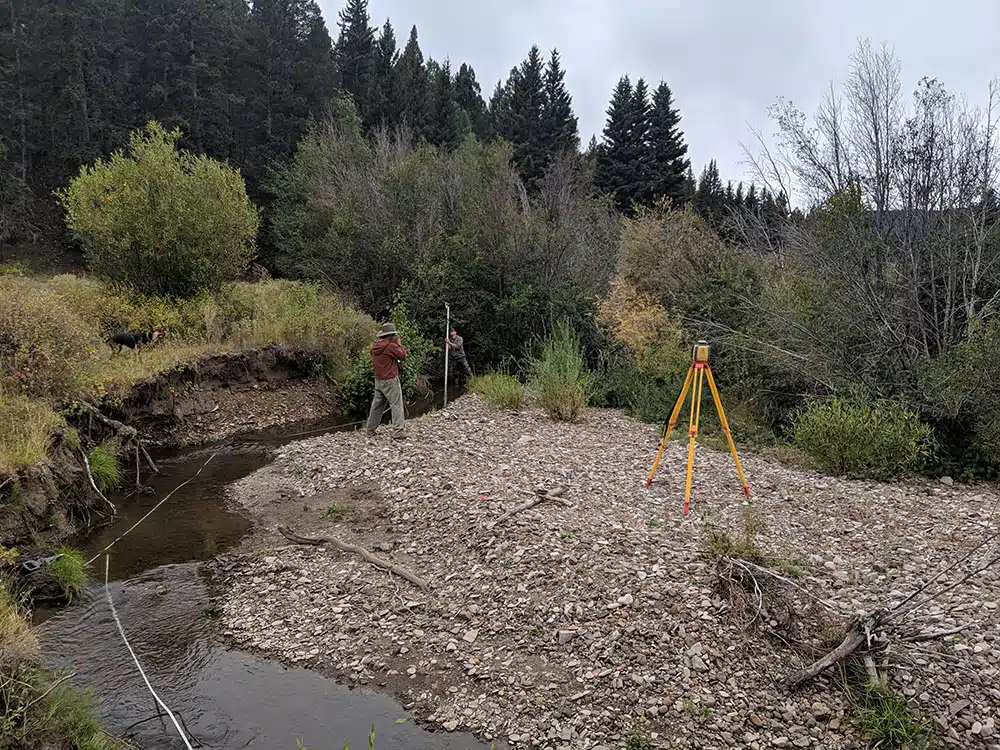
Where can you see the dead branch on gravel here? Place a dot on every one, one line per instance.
(355, 549)
(869, 636)
(541, 496)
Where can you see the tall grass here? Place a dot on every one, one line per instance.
(105, 466)
(70, 571)
(501, 391)
(559, 380)
(17, 641)
(25, 429)
(39, 709)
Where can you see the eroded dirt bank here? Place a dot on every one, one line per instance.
(219, 395)
(211, 398)
(569, 627)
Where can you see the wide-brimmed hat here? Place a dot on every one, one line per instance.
(387, 330)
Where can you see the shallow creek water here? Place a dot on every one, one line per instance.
(225, 698)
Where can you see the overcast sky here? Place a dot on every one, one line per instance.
(726, 61)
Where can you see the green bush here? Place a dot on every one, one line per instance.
(161, 220)
(104, 465)
(856, 437)
(560, 381)
(358, 383)
(70, 571)
(501, 391)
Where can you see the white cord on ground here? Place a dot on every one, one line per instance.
(154, 508)
(121, 630)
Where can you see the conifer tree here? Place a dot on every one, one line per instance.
(443, 124)
(411, 87)
(286, 77)
(469, 97)
(524, 113)
(710, 197)
(355, 56)
(621, 171)
(668, 151)
(560, 131)
(384, 112)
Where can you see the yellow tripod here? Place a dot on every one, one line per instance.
(696, 376)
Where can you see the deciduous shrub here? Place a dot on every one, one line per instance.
(857, 437)
(501, 391)
(161, 220)
(560, 381)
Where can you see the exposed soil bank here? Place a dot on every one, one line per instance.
(214, 397)
(569, 627)
(225, 394)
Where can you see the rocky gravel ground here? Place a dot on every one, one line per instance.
(574, 627)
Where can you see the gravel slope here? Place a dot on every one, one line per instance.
(569, 627)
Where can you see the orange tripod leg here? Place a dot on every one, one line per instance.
(725, 428)
(693, 434)
(670, 424)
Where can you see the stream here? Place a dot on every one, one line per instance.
(224, 698)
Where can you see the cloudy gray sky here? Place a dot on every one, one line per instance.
(725, 60)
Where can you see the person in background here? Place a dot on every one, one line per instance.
(457, 354)
(386, 353)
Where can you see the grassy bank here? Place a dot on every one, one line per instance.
(54, 332)
(40, 709)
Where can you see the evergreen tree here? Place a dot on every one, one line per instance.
(469, 97)
(622, 161)
(384, 112)
(524, 113)
(560, 132)
(443, 125)
(668, 161)
(286, 76)
(355, 55)
(710, 197)
(498, 110)
(411, 87)
(751, 200)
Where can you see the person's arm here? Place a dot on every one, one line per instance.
(449, 343)
(396, 350)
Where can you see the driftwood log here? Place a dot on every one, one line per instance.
(540, 496)
(355, 549)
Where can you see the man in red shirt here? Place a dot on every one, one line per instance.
(386, 352)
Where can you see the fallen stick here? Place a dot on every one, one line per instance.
(552, 495)
(345, 547)
(93, 484)
(148, 459)
(854, 639)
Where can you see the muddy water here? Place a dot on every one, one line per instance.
(225, 698)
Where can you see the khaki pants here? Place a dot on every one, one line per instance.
(387, 393)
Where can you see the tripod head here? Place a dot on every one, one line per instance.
(699, 354)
